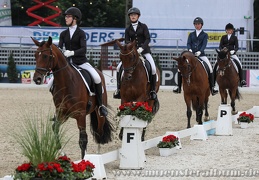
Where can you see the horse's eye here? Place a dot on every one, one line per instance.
(44, 56)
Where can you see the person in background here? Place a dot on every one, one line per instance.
(74, 41)
(139, 32)
(196, 43)
(230, 42)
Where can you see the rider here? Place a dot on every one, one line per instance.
(230, 42)
(196, 43)
(139, 32)
(74, 40)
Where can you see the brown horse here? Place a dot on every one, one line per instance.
(227, 79)
(195, 86)
(135, 86)
(70, 95)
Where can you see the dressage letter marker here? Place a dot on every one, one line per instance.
(224, 121)
(132, 155)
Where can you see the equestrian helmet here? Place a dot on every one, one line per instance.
(133, 10)
(74, 12)
(198, 20)
(229, 26)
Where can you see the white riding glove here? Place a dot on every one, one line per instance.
(68, 53)
(190, 50)
(232, 52)
(198, 53)
(140, 50)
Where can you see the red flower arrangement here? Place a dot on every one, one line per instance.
(62, 168)
(169, 141)
(139, 109)
(245, 117)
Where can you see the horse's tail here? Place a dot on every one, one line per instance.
(238, 95)
(195, 102)
(107, 129)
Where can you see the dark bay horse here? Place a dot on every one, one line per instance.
(195, 86)
(135, 86)
(227, 79)
(70, 95)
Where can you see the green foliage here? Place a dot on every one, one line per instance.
(38, 141)
(11, 69)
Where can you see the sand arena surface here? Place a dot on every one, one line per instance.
(240, 151)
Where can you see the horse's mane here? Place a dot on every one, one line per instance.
(42, 43)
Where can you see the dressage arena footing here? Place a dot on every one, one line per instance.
(223, 126)
(197, 132)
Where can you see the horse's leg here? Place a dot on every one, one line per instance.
(83, 140)
(199, 113)
(189, 114)
(232, 95)
(206, 118)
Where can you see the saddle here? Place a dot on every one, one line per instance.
(86, 77)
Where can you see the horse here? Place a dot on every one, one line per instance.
(195, 86)
(70, 95)
(227, 79)
(135, 86)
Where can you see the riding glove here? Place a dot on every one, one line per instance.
(232, 52)
(140, 50)
(198, 53)
(68, 53)
(190, 50)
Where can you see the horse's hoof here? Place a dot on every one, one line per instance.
(206, 118)
(234, 112)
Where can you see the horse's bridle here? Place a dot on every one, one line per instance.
(222, 70)
(48, 70)
(190, 70)
(132, 68)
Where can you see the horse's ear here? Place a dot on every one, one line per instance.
(119, 44)
(217, 51)
(176, 58)
(37, 43)
(49, 41)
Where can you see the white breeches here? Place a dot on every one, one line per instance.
(235, 57)
(205, 59)
(150, 60)
(92, 71)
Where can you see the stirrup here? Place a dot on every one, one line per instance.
(243, 83)
(177, 91)
(153, 95)
(102, 110)
(214, 92)
(117, 94)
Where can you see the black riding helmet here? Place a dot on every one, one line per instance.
(229, 26)
(198, 20)
(134, 10)
(74, 12)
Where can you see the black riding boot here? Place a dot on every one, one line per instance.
(101, 108)
(240, 74)
(178, 89)
(153, 95)
(117, 93)
(213, 91)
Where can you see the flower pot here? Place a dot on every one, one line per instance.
(244, 125)
(167, 151)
